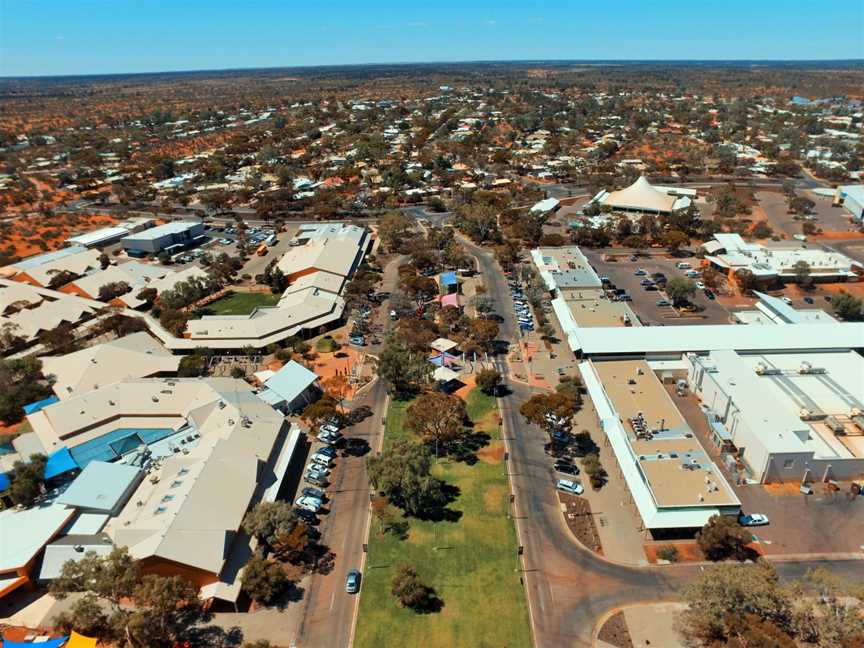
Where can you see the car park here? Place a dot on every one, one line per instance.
(566, 467)
(569, 486)
(352, 582)
(753, 519)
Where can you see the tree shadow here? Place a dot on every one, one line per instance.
(432, 605)
(439, 512)
(214, 636)
(468, 446)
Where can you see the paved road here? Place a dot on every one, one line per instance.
(329, 614)
(569, 587)
(328, 618)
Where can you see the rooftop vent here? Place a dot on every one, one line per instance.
(805, 368)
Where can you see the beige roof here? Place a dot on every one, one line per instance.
(194, 510)
(641, 196)
(134, 356)
(137, 275)
(336, 256)
(49, 314)
(305, 309)
(79, 263)
(326, 281)
(17, 294)
(171, 279)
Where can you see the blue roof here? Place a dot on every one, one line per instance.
(112, 445)
(59, 462)
(289, 382)
(100, 486)
(449, 279)
(32, 408)
(4, 482)
(51, 643)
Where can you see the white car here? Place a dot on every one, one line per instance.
(569, 486)
(307, 503)
(787, 300)
(321, 460)
(700, 285)
(753, 519)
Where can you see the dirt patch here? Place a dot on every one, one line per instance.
(492, 453)
(493, 498)
(580, 520)
(615, 632)
(687, 551)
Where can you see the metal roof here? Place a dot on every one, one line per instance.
(100, 486)
(714, 337)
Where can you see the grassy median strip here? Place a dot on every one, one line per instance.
(470, 563)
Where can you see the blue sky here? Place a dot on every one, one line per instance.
(45, 37)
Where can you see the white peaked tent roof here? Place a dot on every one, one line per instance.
(640, 195)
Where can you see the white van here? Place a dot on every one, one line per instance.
(692, 274)
(683, 265)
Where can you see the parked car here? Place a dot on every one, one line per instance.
(311, 491)
(647, 282)
(320, 471)
(753, 519)
(786, 300)
(569, 486)
(566, 467)
(640, 272)
(352, 582)
(357, 340)
(663, 302)
(327, 451)
(321, 460)
(625, 297)
(308, 503)
(709, 294)
(808, 300)
(330, 426)
(330, 438)
(315, 478)
(561, 437)
(700, 285)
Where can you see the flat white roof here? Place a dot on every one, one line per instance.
(712, 337)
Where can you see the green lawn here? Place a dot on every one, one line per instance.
(239, 303)
(472, 569)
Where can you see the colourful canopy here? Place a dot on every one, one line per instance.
(38, 405)
(4, 482)
(80, 641)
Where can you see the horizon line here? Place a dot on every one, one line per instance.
(599, 61)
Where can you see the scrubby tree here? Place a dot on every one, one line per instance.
(848, 307)
(395, 230)
(263, 580)
(28, 480)
(680, 289)
(802, 274)
(410, 591)
(404, 372)
(20, 383)
(402, 474)
(488, 380)
(722, 537)
(559, 405)
(269, 521)
(437, 418)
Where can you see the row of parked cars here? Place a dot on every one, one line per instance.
(317, 474)
(521, 309)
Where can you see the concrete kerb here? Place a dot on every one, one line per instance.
(608, 614)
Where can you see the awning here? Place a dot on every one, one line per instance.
(59, 462)
(4, 482)
(38, 405)
(80, 641)
(442, 345)
(443, 374)
(442, 359)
